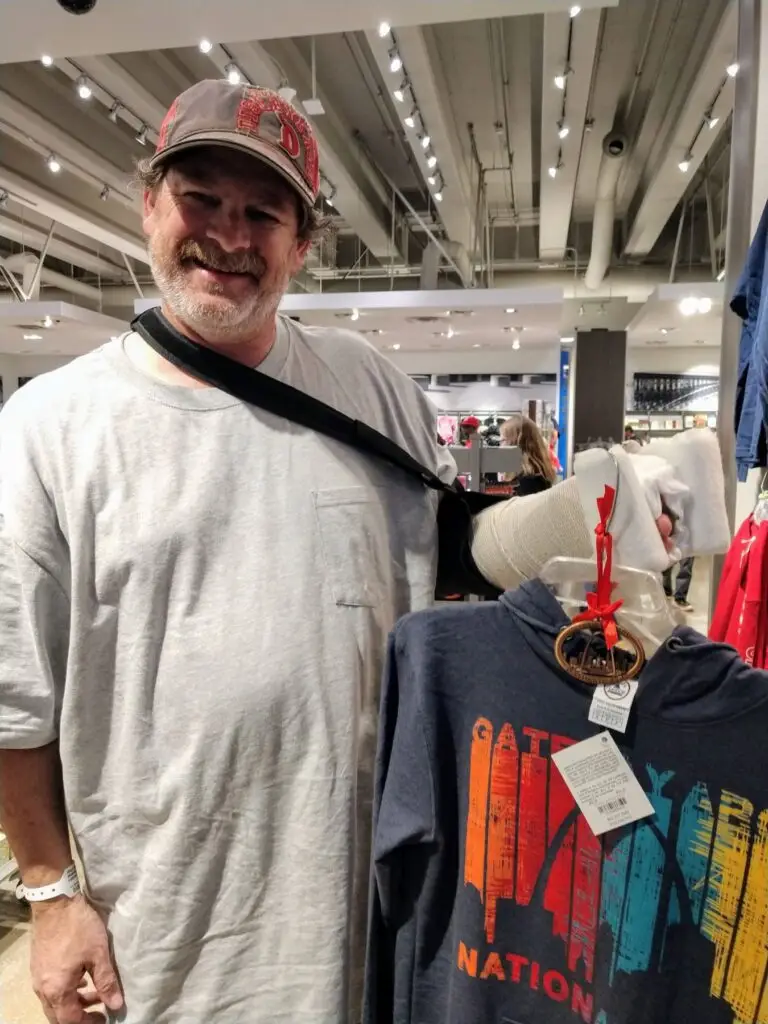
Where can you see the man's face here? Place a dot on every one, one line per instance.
(223, 243)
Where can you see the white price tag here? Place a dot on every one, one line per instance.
(602, 783)
(611, 705)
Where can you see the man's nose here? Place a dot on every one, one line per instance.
(231, 229)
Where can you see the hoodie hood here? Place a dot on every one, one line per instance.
(689, 679)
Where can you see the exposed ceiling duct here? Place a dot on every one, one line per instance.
(25, 263)
(614, 154)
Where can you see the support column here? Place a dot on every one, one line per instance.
(598, 385)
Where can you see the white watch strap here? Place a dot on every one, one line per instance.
(68, 885)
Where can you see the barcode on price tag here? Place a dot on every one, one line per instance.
(602, 783)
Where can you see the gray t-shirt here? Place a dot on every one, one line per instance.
(195, 598)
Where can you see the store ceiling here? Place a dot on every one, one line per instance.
(482, 85)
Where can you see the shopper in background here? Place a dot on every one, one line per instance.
(537, 472)
(194, 601)
(678, 590)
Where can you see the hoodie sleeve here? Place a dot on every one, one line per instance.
(404, 821)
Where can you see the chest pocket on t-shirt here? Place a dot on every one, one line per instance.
(353, 536)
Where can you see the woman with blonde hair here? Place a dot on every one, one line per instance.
(537, 472)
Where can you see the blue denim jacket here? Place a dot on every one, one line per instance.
(750, 302)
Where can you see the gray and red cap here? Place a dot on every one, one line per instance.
(250, 118)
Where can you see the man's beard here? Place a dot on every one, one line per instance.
(220, 320)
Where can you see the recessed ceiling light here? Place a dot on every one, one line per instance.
(689, 306)
(232, 71)
(47, 321)
(395, 348)
(206, 46)
(704, 306)
(516, 344)
(569, 340)
(384, 29)
(477, 345)
(355, 314)
(33, 337)
(510, 309)
(46, 60)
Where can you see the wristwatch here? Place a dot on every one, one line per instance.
(68, 885)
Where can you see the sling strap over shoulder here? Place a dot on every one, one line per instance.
(275, 396)
(457, 572)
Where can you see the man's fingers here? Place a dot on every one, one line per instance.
(105, 982)
(88, 994)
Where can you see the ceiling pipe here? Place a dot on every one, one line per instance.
(614, 153)
(24, 262)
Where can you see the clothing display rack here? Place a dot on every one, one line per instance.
(478, 459)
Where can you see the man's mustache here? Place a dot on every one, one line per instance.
(228, 262)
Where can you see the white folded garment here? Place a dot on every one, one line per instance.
(695, 460)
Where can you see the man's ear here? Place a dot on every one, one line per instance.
(301, 254)
(149, 201)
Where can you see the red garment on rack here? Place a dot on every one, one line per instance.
(741, 615)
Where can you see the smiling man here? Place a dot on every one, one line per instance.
(194, 601)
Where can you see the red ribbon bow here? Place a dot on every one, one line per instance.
(599, 604)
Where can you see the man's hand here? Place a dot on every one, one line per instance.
(69, 941)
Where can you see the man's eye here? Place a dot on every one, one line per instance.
(203, 198)
(261, 216)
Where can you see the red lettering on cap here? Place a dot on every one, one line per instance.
(289, 140)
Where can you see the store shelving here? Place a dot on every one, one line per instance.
(669, 422)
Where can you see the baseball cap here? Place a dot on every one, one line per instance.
(250, 118)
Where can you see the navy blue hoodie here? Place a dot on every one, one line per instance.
(494, 903)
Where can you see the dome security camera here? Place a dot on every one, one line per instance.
(77, 6)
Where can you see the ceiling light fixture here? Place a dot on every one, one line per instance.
(516, 344)
(432, 161)
(410, 121)
(553, 171)
(665, 330)
(84, 90)
(54, 165)
(425, 141)
(732, 70)
(395, 348)
(685, 163)
(114, 112)
(141, 138)
(287, 92)
(477, 345)
(438, 197)
(46, 60)
(395, 62)
(704, 306)
(234, 76)
(563, 130)
(689, 306)
(510, 309)
(568, 340)
(47, 321)
(399, 94)
(206, 46)
(712, 121)
(432, 180)
(575, 11)
(104, 194)
(354, 315)
(562, 78)
(384, 29)
(33, 337)
(720, 276)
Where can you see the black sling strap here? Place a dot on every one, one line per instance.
(275, 396)
(457, 572)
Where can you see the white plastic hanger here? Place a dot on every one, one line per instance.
(645, 610)
(760, 515)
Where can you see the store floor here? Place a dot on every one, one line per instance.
(18, 1004)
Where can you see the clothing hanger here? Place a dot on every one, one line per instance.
(760, 515)
(621, 615)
